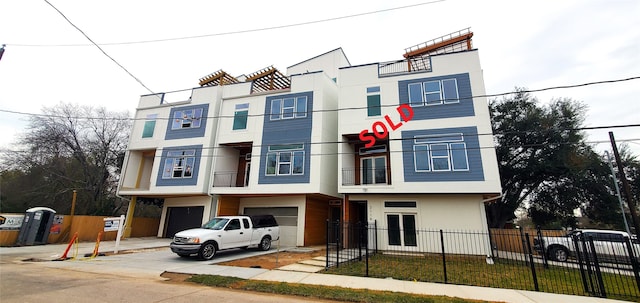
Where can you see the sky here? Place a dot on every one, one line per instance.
(529, 44)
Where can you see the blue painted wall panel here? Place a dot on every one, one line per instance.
(189, 132)
(287, 131)
(475, 172)
(181, 181)
(462, 109)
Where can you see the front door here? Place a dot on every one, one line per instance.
(401, 230)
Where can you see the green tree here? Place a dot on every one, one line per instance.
(68, 147)
(538, 149)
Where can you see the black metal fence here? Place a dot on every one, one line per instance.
(498, 258)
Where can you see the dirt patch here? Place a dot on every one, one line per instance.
(275, 260)
(175, 277)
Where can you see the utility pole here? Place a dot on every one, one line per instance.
(625, 186)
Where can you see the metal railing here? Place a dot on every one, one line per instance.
(227, 179)
(498, 258)
(417, 64)
(365, 176)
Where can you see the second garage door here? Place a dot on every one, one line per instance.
(287, 218)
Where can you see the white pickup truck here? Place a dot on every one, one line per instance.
(226, 232)
(610, 245)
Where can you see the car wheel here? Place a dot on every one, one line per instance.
(184, 255)
(559, 254)
(207, 251)
(265, 244)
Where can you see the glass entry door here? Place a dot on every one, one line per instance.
(402, 229)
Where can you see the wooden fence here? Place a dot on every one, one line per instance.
(88, 228)
(511, 240)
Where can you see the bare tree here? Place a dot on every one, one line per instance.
(70, 147)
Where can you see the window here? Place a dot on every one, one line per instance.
(288, 108)
(435, 153)
(373, 101)
(188, 118)
(179, 164)
(373, 170)
(240, 116)
(433, 92)
(149, 126)
(283, 160)
(402, 229)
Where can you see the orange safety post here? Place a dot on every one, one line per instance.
(95, 249)
(66, 251)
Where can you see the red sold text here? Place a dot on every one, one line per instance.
(379, 128)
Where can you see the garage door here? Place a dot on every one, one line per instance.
(181, 218)
(287, 218)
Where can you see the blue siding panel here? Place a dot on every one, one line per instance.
(475, 172)
(189, 132)
(287, 131)
(462, 109)
(182, 181)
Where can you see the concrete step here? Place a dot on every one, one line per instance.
(320, 263)
(301, 268)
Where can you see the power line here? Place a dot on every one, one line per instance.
(338, 109)
(355, 151)
(242, 31)
(98, 46)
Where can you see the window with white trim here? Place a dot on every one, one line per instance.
(288, 108)
(434, 92)
(436, 153)
(188, 118)
(179, 164)
(240, 116)
(285, 160)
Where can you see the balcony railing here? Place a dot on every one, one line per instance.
(227, 179)
(365, 176)
(418, 64)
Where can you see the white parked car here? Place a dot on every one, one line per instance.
(610, 246)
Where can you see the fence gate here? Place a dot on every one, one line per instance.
(347, 241)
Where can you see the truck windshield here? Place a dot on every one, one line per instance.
(216, 223)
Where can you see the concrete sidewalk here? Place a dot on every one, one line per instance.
(150, 257)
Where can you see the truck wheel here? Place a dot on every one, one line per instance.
(265, 244)
(207, 251)
(559, 253)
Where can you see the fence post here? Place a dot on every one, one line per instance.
(542, 247)
(576, 244)
(328, 232)
(444, 259)
(533, 266)
(338, 240)
(634, 261)
(522, 241)
(366, 250)
(359, 239)
(603, 293)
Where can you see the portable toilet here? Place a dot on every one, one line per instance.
(35, 226)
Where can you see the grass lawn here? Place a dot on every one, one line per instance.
(322, 292)
(470, 270)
